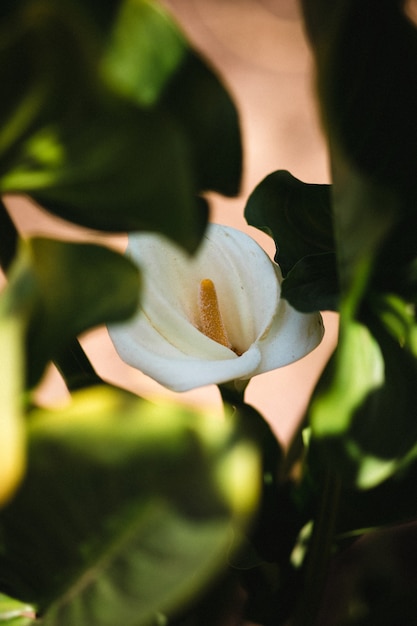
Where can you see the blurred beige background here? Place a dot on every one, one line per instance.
(259, 49)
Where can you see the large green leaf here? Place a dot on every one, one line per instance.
(364, 409)
(297, 215)
(299, 218)
(114, 123)
(120, 170)
(62, 289)
(209, 119)
(367, 89)
(126, 509)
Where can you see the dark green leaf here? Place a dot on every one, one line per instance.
(365, 214)
(78, 133)
(367, 89)
(62, 289)
(209, 119)
(125, 171)
(313, 284)
(391, 502)
(297, 215)
(126, 509)
(363, 414)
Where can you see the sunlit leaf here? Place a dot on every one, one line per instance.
(364, 409)
(126, 509)
(144, 50)
(15, 613)
(114, 123)
(12, 432)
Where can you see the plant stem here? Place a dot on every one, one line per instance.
(76, 368)
(319, 552)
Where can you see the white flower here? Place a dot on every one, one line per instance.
(211, 318)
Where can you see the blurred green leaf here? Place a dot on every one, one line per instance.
(210, 122)
(126, 509)
(367, 89)
(12, 433)
(297, 215)
(144, 50)
(15, 613)
(61, 289)
(365, 214)
(363, 413)
(391, 502)
(114, 123)
(128, 170)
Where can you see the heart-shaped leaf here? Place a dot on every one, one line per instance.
(297, 215)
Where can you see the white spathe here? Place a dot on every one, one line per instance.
(162, 339)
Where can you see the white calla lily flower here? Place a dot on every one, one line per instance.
(211, 318)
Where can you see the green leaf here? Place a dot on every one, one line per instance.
(313, 284)
(391, 502)
(62, 289)
(297, 215)
(16, 613)
(367, 91)
(12, 432)
(121, 170)
(126, 509)
(209, 119)
(365, 214)
(113, 124)
(145, 48)
(363, 413)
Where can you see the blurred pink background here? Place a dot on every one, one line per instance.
(259, 49)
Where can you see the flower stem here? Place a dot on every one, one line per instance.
(319, 552)
(76, 368)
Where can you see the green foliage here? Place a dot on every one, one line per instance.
(102, 139)
(366, 88)
(115, 510)
(60, 289)
(297, 215)
(299, 218)
(119, 526)
(15, 613)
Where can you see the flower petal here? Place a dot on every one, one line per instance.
(292, 335)
(176, 370)
(163, 340)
